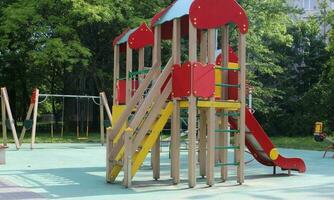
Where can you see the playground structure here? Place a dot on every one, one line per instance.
(212, 89)
(31, 117)
(320, 136)
(6, 111)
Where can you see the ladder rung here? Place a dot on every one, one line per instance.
(227, 164)
(226, 147)
(228, 68)
(228, 114)
(227, 131)
(228, 85)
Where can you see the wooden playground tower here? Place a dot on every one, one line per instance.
(147, 98)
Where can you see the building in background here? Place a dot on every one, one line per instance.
(311, 7)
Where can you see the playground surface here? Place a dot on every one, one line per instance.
(77, 171)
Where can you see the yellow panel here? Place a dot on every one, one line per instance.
(152, 138)
(218, 78)
(233, 66)
(116, 114)
(230, 105)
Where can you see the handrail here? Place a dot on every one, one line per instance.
(149, 100)
(134, 101)
(152, 116)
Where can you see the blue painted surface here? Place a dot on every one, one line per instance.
(178, 10)
(125, 38)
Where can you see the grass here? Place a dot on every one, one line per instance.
(306, 143)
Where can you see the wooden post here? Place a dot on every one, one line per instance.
(192, 116)
(31, 107)
(116, 73)
(225, 136)
(242, 119)
(127, 157)
(175, 132)
(128, 70)
(3, 115)
(202, 142)
(203, 119)
(10, 116)
(34, 123)
(211, 116)
(155, 156)
(141, 63)
(101, 120)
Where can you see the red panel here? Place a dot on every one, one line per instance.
(208, 14)
(232, 75)
(141, 38)
(203, 80)
(121, 90)
(181, 78)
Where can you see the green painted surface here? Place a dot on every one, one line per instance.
(77, 171)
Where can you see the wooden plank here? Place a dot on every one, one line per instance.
(224, 118)
(242, 120)
(192, 125)
(228, 105)
(141, 63)
(34, 120)
(10, 117)
(127, 158)
(211, 116)
(3, 117)
(128, 71)
(175, 132)
(157, 55)
(101, 120)
(202, 142)
(116, 73)
(31, 107)
(152, 117)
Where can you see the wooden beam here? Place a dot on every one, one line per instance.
(157, 56)
(211, 116)
(128, 71)
(34, 120)
(192, 114)
(10, 117)
(127, 158)
(3, 117)
(101, 120)
(141, 62)
(242, 120)
(116, 73)
(31, 107)
(202, 142)
(175, 132)
(203, 117)
(224, 119)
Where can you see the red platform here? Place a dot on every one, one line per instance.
(121, 90)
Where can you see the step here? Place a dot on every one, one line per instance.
(227, 164)
(228, 85)
(227, 131)
(228, 68)
(226, 147)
